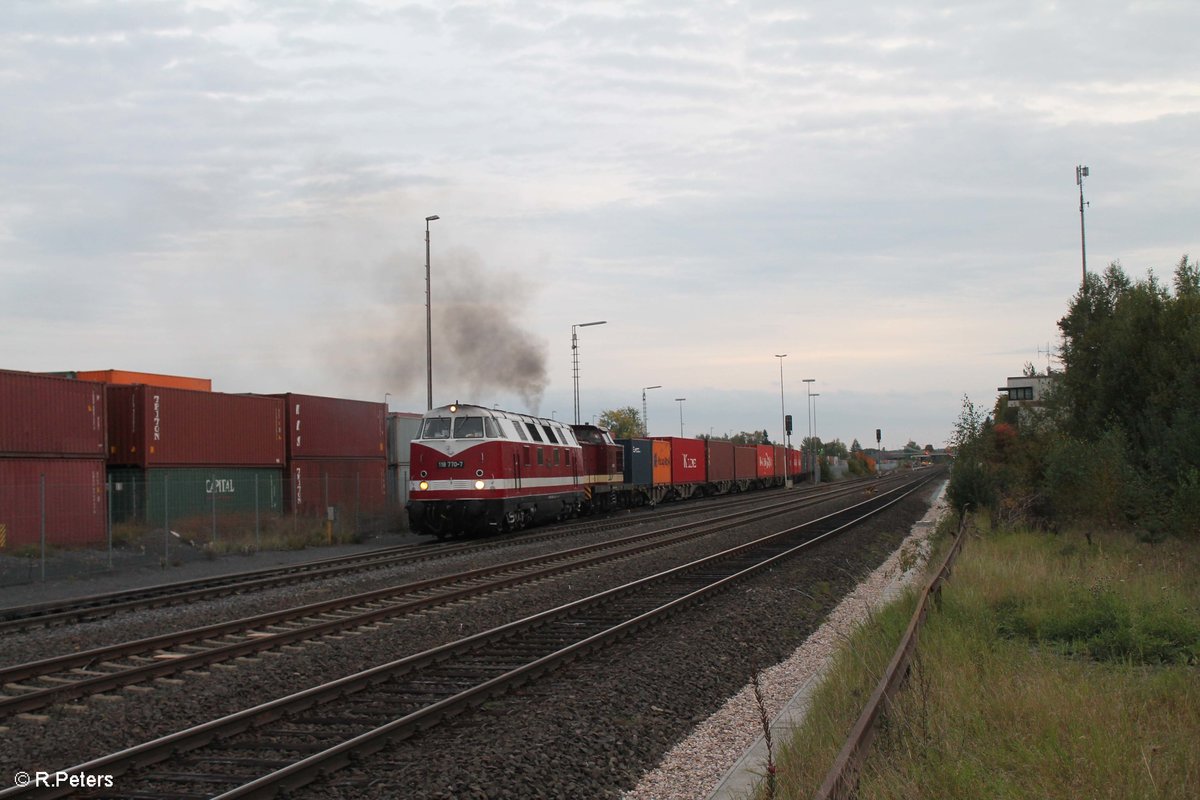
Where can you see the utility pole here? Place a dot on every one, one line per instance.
(1081, 172)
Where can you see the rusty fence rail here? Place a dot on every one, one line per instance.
(842, 778)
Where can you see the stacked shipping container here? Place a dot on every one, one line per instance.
(336, 454)
(177, 453)
(52, 445)
(402, 429)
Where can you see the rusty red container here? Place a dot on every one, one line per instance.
(688, 463)
(766, 461)
(745, 462)
(720, 461)
(151, 426)
(330, 427)
(350, 485)
(796, 463)
(76, 509)
(43, 415)
(780, 461)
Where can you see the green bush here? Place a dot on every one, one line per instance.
(971, 485)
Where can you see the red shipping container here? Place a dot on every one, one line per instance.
(75, 502)
(329, 427)
(796, 462)
(745, 459)
(43, 415)
(687, 460)
(780, 461)
(163, 427)
(720, 461)
(766, 460)
(352, 485)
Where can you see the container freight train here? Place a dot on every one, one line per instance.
(478, 470)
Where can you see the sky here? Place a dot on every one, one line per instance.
(884, 192)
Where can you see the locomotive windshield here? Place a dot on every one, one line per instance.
(436, 428)
(468, 427)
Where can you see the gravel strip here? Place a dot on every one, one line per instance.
(696, 766)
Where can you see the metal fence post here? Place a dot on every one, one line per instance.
(108, 491)
(166, 522)
(42, 505)
(212, 491)
(357, 501)
(257, 546)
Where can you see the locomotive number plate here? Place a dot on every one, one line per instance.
(449, 464)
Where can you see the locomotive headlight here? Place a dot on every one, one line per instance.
(479, 484)
(423, 485)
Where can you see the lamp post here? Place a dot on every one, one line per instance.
(1081, 172)
(575, 358)
(645, 420)
(808, 457)
(787, 481)
(680, 401)
(428, 320)
(816, 457)
(386, 395)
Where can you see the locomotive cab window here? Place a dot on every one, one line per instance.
(436, 428)
(491, 428)
(468, 427)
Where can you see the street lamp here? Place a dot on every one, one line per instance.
(1081, 172)
(428, 320)
(787, 480)
(680, 401)
(808, 457)
(386, 395)
(645, 420)
(817, 461)
(575, 358)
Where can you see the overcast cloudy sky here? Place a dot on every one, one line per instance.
(883, 191)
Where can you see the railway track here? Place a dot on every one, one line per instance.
(286, 743)
(19, 618)
(70, 677)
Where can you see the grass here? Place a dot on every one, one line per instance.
(1054, 669)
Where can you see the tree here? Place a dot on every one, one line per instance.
(749, 437)
(855, 447)
(623, 423)
(837, 449)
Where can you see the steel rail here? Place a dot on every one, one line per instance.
(17, 618)
(693, 581)
(79, 667)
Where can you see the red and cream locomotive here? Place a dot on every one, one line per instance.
(477, 469)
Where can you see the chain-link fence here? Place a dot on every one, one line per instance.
(50, 527)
